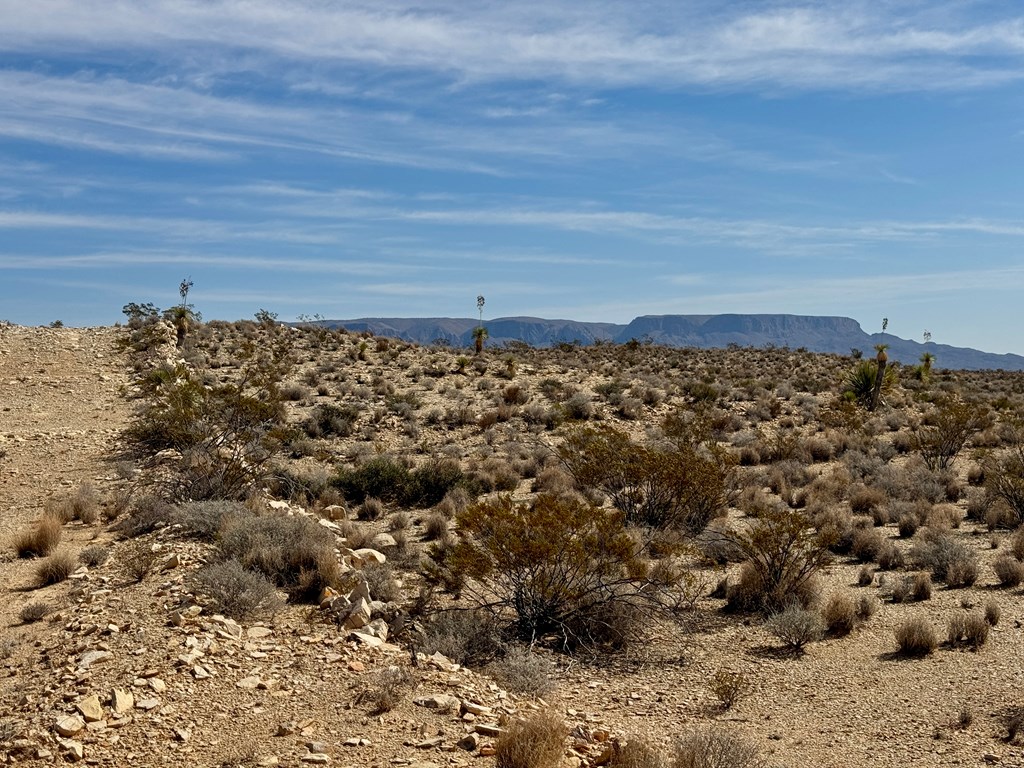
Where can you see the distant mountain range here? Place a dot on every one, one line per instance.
(816, 333)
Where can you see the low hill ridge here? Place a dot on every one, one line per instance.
(816, 333)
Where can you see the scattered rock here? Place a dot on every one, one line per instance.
(90, 708)
(70, 725)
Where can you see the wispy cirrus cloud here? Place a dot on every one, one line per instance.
(827, 45)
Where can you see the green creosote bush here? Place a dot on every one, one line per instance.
(947, 429)
(729, 687)
(557, 566)
(683, 484)
(389, 480)
(783, 555)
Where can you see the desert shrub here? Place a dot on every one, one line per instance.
(236, 592)
(389, 480)
(1009, 570)
(293, 553)
(556, 564)
(682, 485)
(915, 587)
(948, 558)
(83, 504)
(536, 742)
(867, 543)
(866, 501)
(908, 524)
(795, 627)
(890, 557)
(34, 611)
(371, 508)
(467, 637)
(384, 689)
(715, 748)
(205, 519)
(94, 556)
(40, 540)
(55, 568)
(435, 527)
(381, 581)
(729, 687)
(1004, 477)
(946, 431)
(578, 407)
(146, 515)
(916, 637)
(783, 553)
(226, 432)
(522, 671)
(137, 560)
(637, 752)
(329, 420)
(967, 629)
(992, 612)
(840, 613)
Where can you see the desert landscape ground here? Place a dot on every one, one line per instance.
(252, 544)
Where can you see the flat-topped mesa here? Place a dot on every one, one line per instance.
(816, 333)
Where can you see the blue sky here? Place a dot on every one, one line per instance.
(590, 160)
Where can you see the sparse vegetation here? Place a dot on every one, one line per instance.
(535, 742)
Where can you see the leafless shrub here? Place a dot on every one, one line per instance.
(94, 556)
(384, 690)
(729, 687)
(992, 612)
(715, 748)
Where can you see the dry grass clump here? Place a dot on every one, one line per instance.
(916, 637)
(55, 568)
(840, 613)
(94, 556)
(83, 504)
(536, 742)
(715, 748)
(967, 629)
(40, 540)
(637, 753)
(992, 612)
(1009, 570)
(34, 611)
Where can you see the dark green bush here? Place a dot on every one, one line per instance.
(557, 566)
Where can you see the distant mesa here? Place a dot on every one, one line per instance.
(815, 333)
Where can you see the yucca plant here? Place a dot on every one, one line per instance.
(881, 360)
